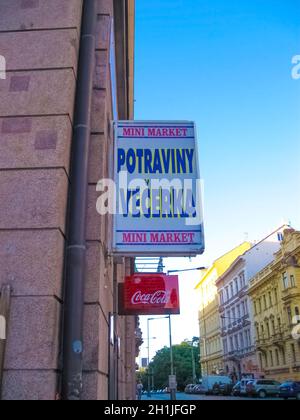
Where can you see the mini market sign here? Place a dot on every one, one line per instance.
(158, 193)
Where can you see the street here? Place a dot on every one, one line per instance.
(180, 396)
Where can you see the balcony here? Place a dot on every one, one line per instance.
(237, 355)
(242, 292)
(278, 339)
(262, 343)
(290, 294)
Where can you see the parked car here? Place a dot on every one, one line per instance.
(236, 390)
(290, 389)
(223, 389)
(211, 383)
(263, 388)
(189, 388)
(244, 383)
(198, 389)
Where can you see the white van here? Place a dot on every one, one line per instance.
(209, 381)
(243, 386)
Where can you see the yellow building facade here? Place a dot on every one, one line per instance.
(211, 351)
(275, 295)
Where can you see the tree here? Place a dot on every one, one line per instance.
(183, 364)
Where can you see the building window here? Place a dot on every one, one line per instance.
(279, 324)
(262, 332)
(270, 300)
(257, 333)
(268, 329)
(239, 311)
(246, 307)
(233, 315)
(242, 280)
(246, 339)
(242, 340)
(283, 357)
(265, 302)
(277, 357)
(266, 360)
(276, 296)
(255, 308)
(285, 280)
(223, 322)
(221, 297)
(261, 361)
(227, 294)
(236, 283)
(225, 345)
(231, 344)
(249, 339)
(228, 318)
(271, 358)
(294, 358)
(259, 305)
(231, 290)
(292, 280)
(289, 315)
(273, 327)
(236, 341)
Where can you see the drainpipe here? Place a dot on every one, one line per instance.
(76, 239)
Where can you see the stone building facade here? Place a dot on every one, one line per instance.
(211, 348)
(238, 335)
(40, 41)
(275, 299)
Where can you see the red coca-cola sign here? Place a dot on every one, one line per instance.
(149, 294)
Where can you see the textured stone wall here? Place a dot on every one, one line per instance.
(40, 41)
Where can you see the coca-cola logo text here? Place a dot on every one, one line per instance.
(160, 297)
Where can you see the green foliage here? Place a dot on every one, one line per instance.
(183, 365)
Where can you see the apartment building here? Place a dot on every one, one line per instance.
(211, 348)
(275, 299)
(235, 310)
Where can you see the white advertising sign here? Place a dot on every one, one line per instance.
(158, 189)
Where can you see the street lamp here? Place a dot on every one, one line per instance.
(148, 340)
(188, 269)
(193, 360)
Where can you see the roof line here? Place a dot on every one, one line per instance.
(241, 256)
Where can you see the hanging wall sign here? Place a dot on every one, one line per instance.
(158, 194)
(149, 294)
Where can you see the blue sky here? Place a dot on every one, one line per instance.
(227, 65)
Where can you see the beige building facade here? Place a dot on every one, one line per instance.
(238, 335)
(275, 299)
(41, 40)
(211, 349)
